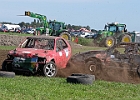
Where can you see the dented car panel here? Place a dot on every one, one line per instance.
(37, 51)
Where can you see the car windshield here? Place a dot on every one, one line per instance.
(47, 44)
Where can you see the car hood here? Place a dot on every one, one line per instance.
(29, 52)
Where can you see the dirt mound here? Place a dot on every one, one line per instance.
(10, 40)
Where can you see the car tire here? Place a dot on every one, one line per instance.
(7, 74)
(50, 69)
(6, 66)
(93, 66)
(78, 78)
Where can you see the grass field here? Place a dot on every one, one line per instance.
(42, 88)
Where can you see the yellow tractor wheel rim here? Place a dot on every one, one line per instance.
(65, 36)
(109, 42)
(126, 39)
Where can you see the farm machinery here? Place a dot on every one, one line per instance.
(53, 28)
(115, 33)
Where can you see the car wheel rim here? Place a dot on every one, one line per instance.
(50, 70)
(92, 68)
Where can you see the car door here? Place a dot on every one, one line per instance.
(61, 53)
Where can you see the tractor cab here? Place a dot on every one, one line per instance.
(115, 27)
(55, 27)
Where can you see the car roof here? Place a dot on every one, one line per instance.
(42, 37)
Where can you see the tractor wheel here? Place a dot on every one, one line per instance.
(50, 69)
(109, 42)
(65, 35)
(126, 38)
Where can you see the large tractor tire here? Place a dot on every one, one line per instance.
(65, 35)
(109, 42)
(126, 38)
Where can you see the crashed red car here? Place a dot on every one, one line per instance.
(39, 54)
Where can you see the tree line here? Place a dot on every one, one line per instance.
(36, 23)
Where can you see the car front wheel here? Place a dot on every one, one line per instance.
(50, 69)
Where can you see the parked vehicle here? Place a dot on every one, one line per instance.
(39, 54)
(30, 31)
(83, 34)
(3, 30)
(11, 27)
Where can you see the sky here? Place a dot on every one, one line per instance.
(93, 13)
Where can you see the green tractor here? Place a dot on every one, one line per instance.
(53, 28)
(112, 34)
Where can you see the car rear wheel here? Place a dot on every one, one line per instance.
(93, 66)
(50, 69)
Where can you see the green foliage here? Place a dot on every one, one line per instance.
(7, 47)
(85, 42)
(75, 27)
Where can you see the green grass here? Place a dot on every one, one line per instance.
(7, 47)
(42, 88)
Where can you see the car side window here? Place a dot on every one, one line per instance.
(60, 45)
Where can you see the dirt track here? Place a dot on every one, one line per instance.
(116, 74)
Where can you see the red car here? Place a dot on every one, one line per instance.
(39, 54)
